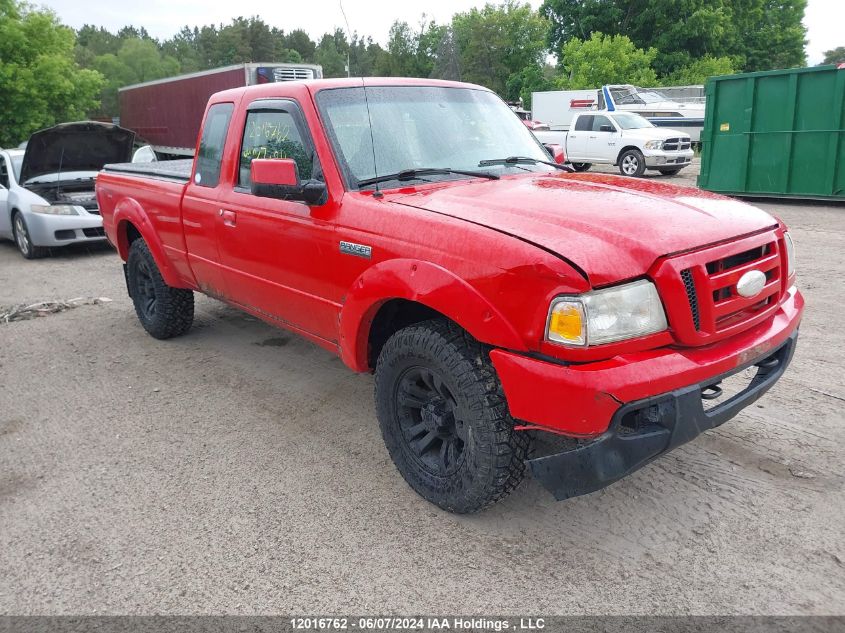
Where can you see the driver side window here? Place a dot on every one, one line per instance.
(598, 121)
(273, 134)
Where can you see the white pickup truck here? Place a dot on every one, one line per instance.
(624, 139)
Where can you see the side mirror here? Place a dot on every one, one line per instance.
(279, 178)
(556, 152)
(606, 128)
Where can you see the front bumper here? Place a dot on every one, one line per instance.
(643, 430)
(581, 399)
(658, 159)
(59, 230)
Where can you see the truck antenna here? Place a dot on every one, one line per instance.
(349, 35)
(377, 193)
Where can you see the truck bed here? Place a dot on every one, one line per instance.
(178, 170)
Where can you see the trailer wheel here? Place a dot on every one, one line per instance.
(444, 418)
(581, 166)
(632, 163)
(164, 311)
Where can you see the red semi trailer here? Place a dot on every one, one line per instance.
(166, 113)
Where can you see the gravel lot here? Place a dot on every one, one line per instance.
(240, 469)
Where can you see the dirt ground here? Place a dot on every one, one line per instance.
(240, 469)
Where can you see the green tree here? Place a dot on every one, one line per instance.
(497, 41)
(299, 41)
(698, 71)
(756, 34)
(605, 59)
(40, 82)
(329, 57)
(834, 55)
(530, 79)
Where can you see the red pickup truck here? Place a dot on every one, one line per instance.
(516, 316)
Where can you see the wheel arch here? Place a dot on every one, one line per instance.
(393, 294)
(626, 149)
(132, 222)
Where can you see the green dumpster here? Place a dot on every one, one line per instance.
(776, 133)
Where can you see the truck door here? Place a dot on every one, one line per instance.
(602, 140)
(275, 251)
(200, 210)
(576, 139)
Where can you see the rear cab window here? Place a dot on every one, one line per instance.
(584, 123)
(210, 156)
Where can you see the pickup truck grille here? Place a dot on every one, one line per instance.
(700, 288)
(676, 144)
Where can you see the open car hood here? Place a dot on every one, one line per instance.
(80, 146)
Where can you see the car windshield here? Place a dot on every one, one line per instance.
(419, 127)
(17, 161)
(631, 121)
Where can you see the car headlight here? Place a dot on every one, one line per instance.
(790, 254)
(606, 316)
(653, 144)
(54, 209)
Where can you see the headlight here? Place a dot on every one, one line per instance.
(790, 255)
(55, 209)
(606, 316)
(653, 144)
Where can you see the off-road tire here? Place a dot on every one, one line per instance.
(632, 163)
(581, 166)
(164, 311)
(669, 172)
(492, 462)
(20, 232)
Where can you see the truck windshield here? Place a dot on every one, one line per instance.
(421, 127)
(631, 121)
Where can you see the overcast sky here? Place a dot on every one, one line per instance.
(163, 18)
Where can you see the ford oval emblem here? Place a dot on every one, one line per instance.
(751, 283)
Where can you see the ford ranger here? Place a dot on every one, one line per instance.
(517, 316)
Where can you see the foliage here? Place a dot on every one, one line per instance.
(40, 82)
(834, 55)
(498, 41)
(605, 59)
(48, 73)
(530, 79)
(698, 71)
(757, 34)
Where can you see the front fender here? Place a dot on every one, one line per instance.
(425, 283)
(128, 211)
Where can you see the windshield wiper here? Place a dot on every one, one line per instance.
(416, 174)
(513, 160)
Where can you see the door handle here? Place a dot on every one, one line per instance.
(593, 137)
(229, 217)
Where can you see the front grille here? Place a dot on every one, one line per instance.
(705, 304)
(292, 74)
(676, 144)
(692, 297)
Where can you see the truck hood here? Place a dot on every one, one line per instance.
(75, 147)
(656, 133)
(610, 227)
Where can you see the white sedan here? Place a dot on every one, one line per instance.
(47, 191)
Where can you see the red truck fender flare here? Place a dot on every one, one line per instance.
(129, 211)
(425, 283)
